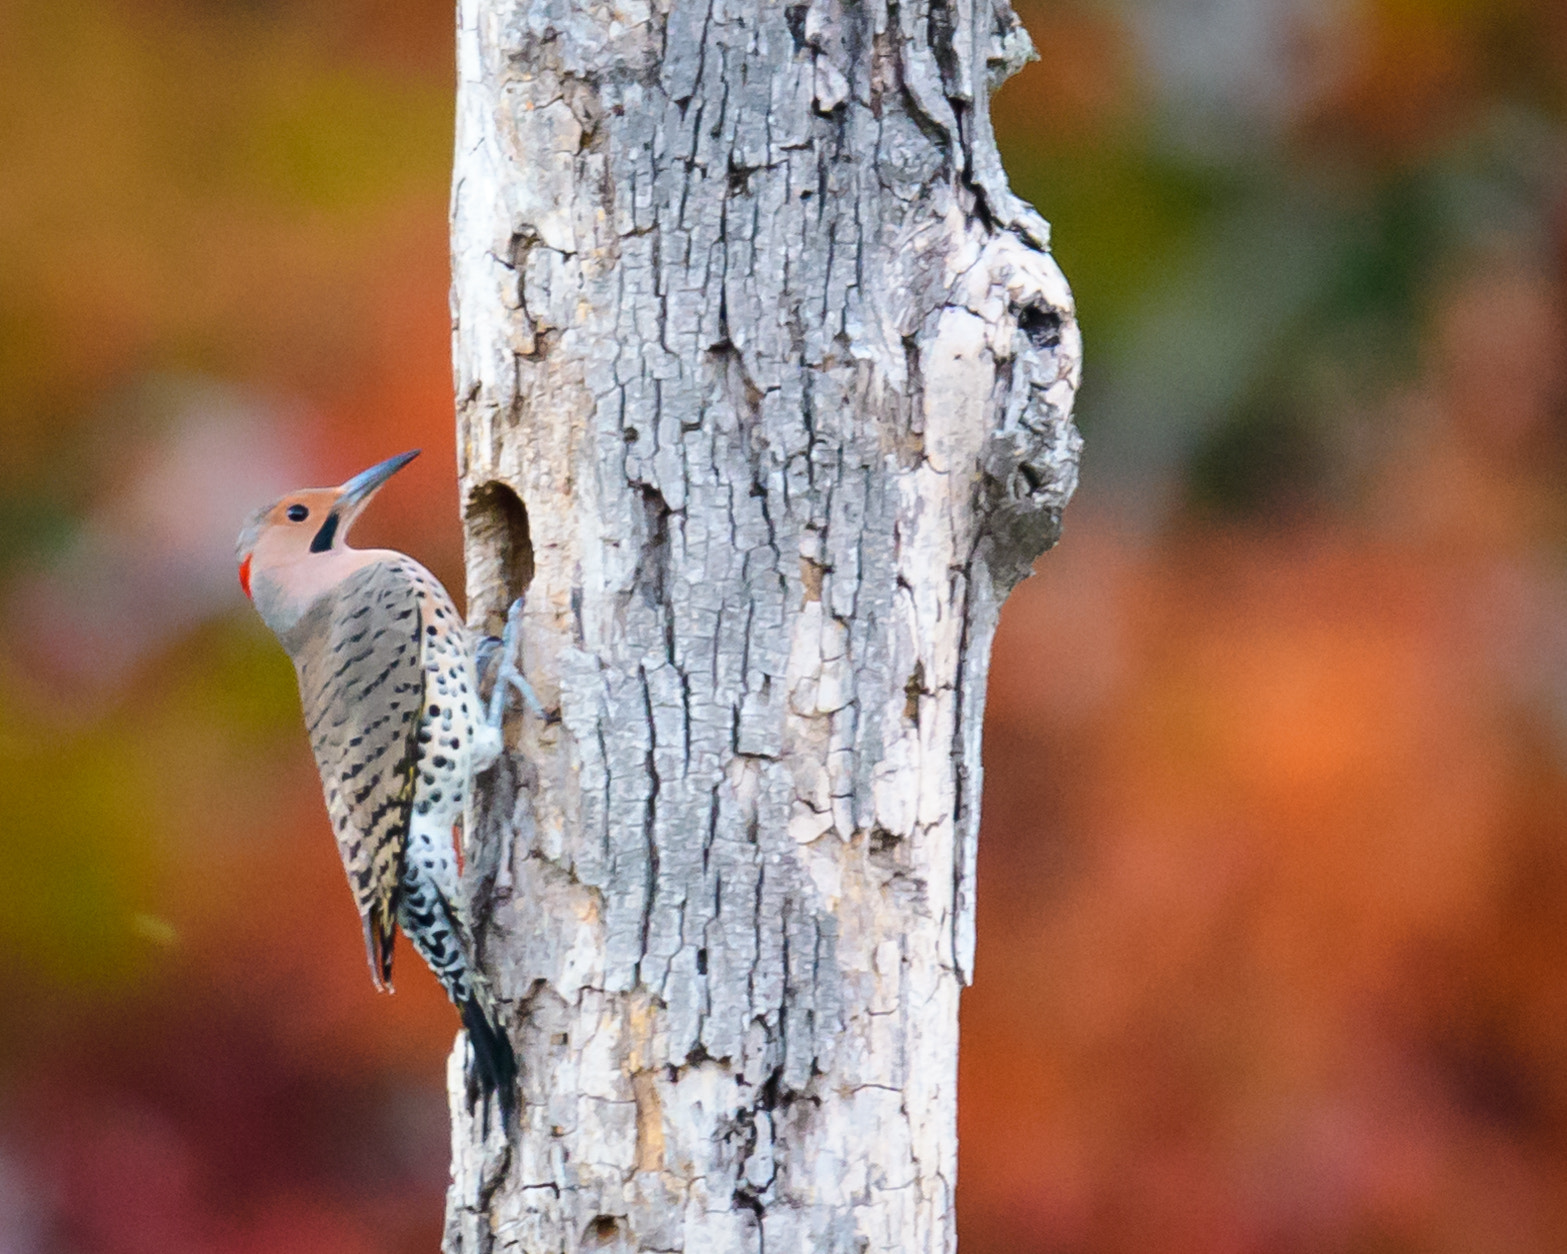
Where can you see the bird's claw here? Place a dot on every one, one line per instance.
(509, 675)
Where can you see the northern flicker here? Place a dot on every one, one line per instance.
(391, 699)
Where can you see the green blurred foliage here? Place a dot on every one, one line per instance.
(1227, 260)
(93, 805)
(74, 885)
(191, 188)
(338, 142)
(196, 191)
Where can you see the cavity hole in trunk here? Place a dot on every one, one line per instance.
(500, 549)
(604, 1230)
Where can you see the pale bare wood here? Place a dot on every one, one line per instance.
(748, 319)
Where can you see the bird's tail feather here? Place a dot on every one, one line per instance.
(492, 1066)
(380, 937)
(432, 925)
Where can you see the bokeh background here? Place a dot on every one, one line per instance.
(1273, 909)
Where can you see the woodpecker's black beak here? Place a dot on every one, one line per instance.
(356, 491)
(352, 497)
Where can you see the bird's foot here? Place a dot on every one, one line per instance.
(509, 674)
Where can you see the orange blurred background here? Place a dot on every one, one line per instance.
(1273, 907)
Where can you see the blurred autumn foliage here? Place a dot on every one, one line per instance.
(1274, 875)
(1273, 912)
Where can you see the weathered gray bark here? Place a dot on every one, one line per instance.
(748, 319)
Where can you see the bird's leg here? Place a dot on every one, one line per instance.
(509, 674)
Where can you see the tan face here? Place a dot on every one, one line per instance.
(292, 552)
(284, 532)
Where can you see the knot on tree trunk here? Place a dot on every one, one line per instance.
(1028, 460)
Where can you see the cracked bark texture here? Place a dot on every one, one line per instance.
(764, 383)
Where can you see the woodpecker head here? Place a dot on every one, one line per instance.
(293, 550)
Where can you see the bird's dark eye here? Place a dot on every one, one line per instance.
(297, 513)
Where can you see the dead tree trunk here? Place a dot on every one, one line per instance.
(764, 383)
